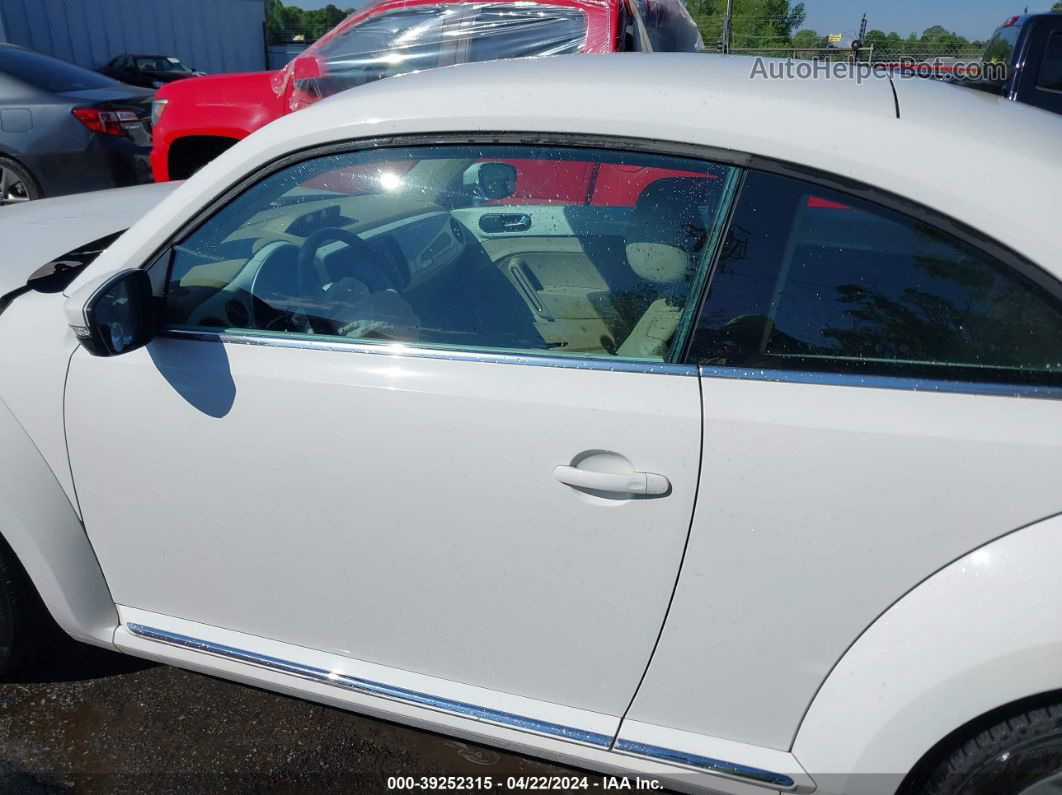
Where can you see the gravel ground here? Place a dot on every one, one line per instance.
(93, 721)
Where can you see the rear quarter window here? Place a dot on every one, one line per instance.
(815, 280)
(1000, 48)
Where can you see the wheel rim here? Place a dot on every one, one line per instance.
(12, 188)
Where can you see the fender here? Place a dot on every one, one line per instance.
(225, 106)
(981, 633)
(39, 523)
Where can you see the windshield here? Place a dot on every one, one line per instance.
(49, 74)
(160, 64)
(426, 36)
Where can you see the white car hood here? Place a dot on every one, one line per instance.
(38, 232)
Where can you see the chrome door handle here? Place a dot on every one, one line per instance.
(629, 483)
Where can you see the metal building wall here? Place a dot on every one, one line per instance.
(209, 35)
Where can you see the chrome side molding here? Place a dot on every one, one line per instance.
(312, 673)
(325, 677)
(752, 775)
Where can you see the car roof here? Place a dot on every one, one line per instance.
(990, 163)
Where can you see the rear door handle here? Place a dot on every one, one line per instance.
(629, 483)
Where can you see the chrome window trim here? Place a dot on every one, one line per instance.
(368, 687)
(883, 382)
(719, 767)
(402, 350)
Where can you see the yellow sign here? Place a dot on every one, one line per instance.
(835, 37)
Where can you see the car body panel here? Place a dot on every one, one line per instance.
(898, 690)
(224, 106)
(477, 441)
(39, 523)
(38, 232)
(33, 332)
(797, 553)
(419, 715)
(765, 605)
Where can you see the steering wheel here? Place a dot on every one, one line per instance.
(359, 261)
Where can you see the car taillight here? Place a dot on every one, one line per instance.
(1010, 21)
(111, 122)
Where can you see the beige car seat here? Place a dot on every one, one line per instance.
(665, 235)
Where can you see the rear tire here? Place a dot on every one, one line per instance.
(17, 184)
(1020, 755)
(23, 621)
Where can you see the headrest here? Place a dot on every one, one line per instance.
(666, 230)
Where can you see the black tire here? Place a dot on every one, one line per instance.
(23, 621)
(17, 184)
(1019, 755)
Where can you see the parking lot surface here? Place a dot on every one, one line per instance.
(93, 721)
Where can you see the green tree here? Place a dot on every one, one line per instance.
(934, 33)
(1057, 7)
(806, 39)
(757, 24)
(290, 23)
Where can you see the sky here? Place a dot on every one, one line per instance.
(974, 19)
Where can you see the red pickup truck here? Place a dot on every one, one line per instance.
(197, 119)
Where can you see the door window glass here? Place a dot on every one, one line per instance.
(409, 245)
(812, 279)
(1050, 77)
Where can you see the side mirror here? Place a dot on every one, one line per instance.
(114, 315)
(307, 67)
(490, 181)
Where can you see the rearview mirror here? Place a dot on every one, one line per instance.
(114, 315)
(490, 181)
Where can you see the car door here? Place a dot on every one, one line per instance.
(352, 437)
(1041, 80)
(881, 397)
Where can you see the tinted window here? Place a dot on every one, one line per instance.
(1050, 77)
(1001, 48)
(160, 64)
(49, 74)
(424, 256)
(811, 279)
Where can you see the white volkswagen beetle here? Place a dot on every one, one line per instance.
(634, 412)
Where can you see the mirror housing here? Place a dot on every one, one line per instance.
(490, 181)
(307, 67)
(115, 314)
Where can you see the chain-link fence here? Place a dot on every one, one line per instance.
(775, 37)
(299, 34)
(757, 36)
